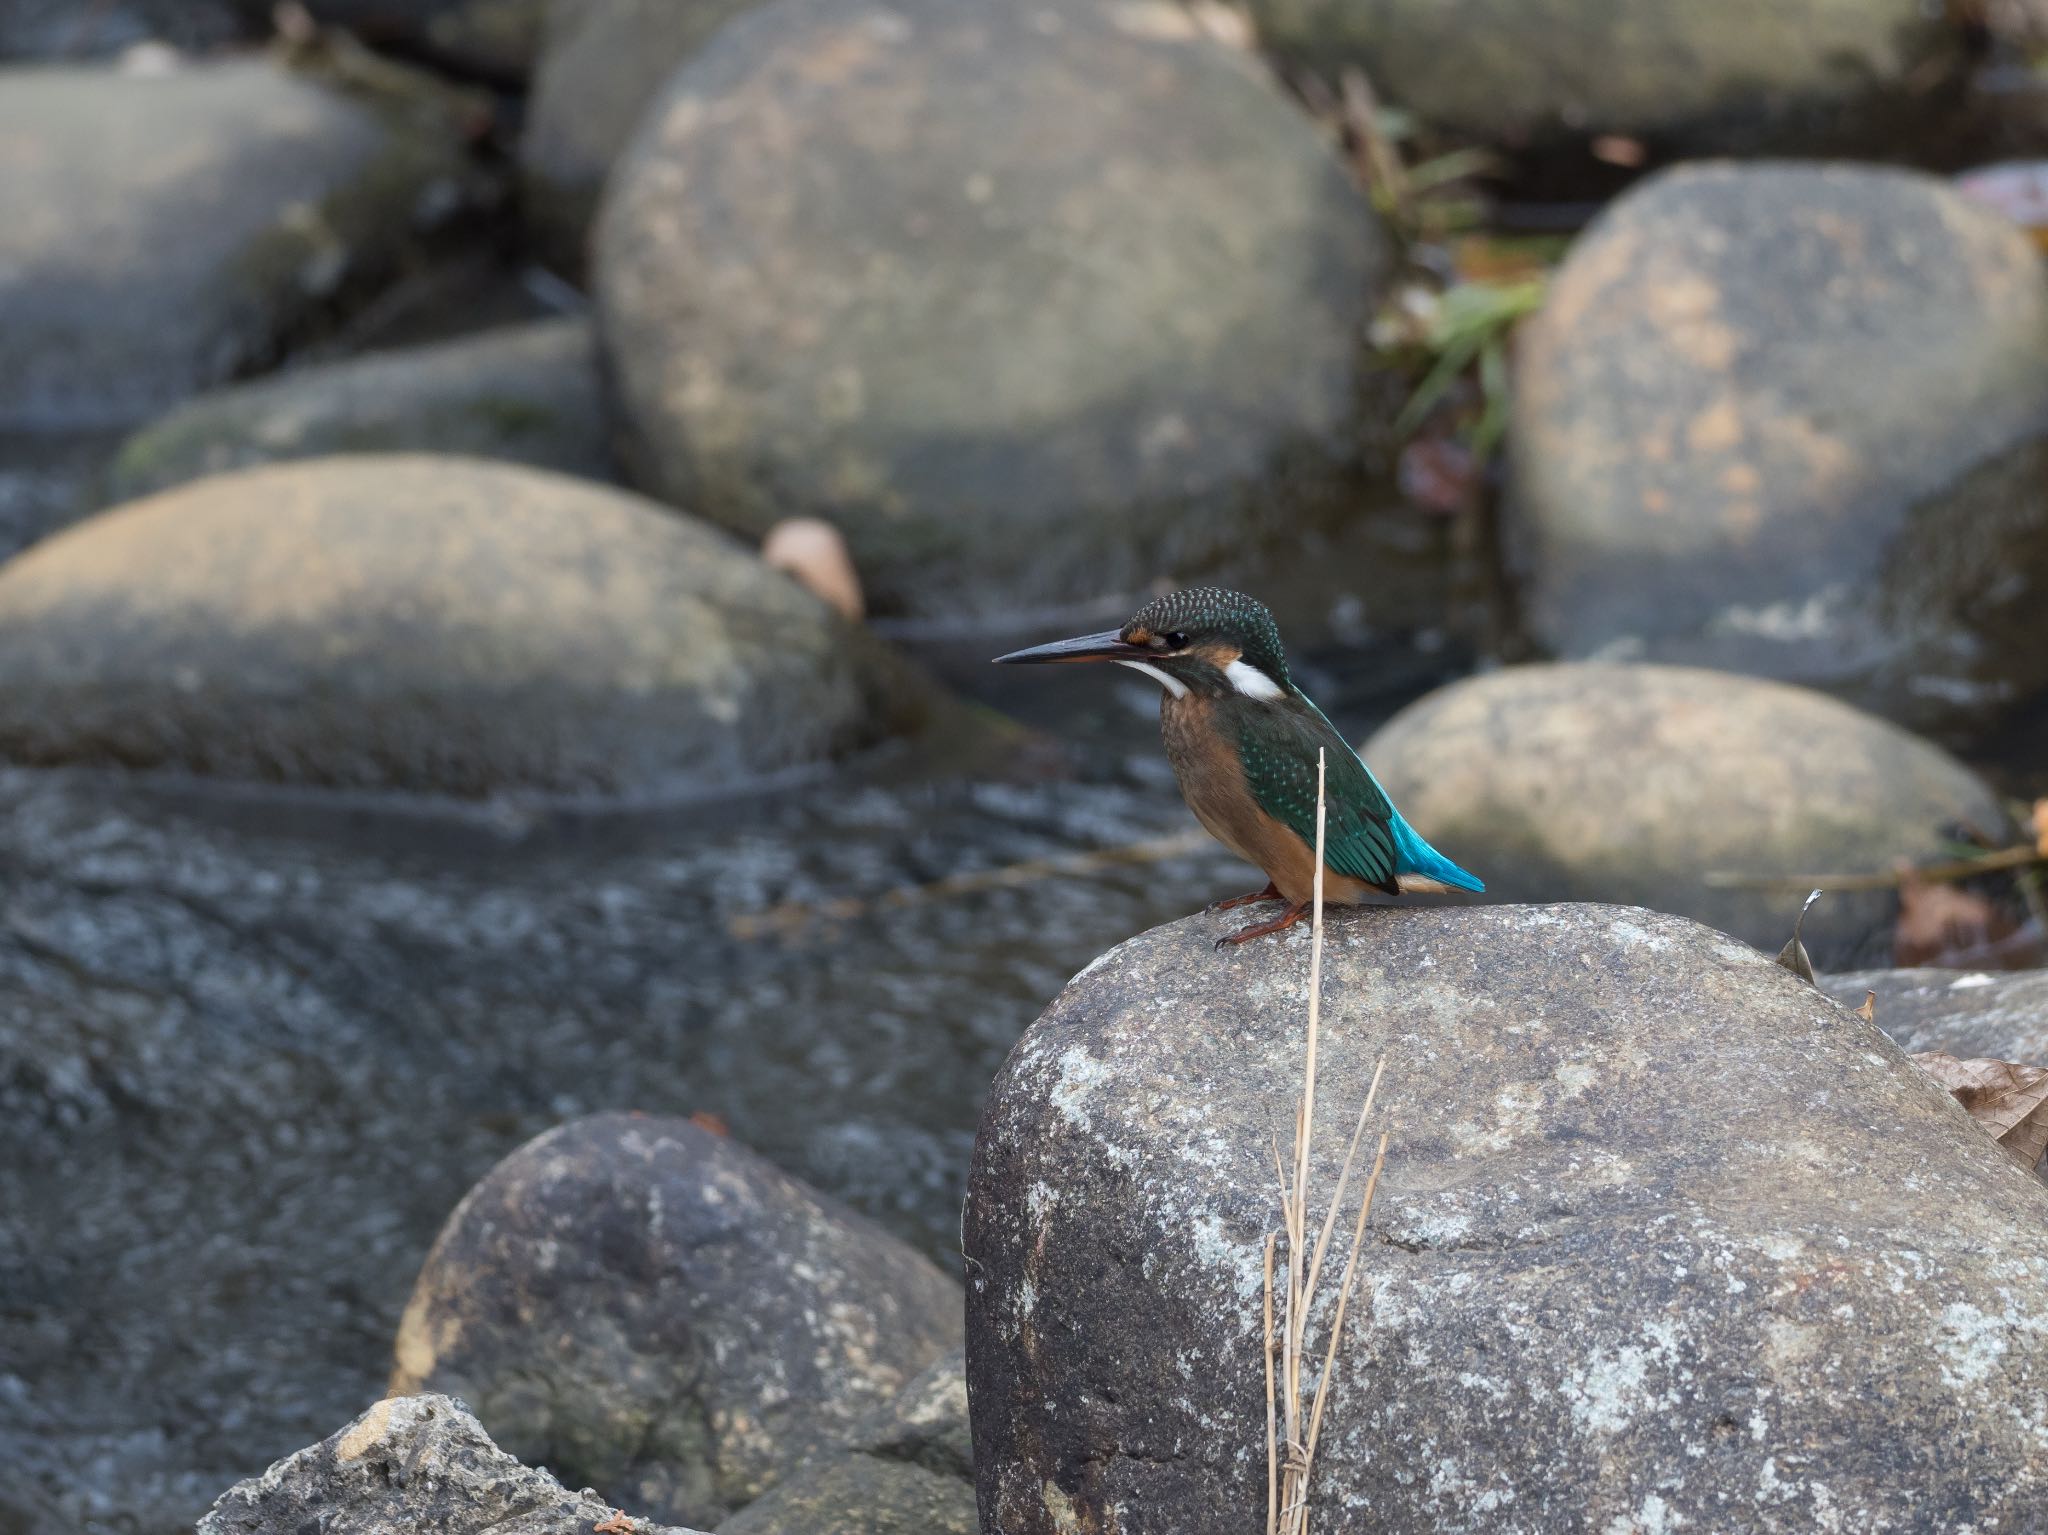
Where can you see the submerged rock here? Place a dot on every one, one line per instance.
(1739, 76)
(526, 394)
(440, 624)
(1793, 420)
(909, 1470)
(601, 62)
(1072, 296)
(168, 232)
(652, 1309)
(407, 1466)
(1586, 781)
(1973, 1014)
(1665, 1239)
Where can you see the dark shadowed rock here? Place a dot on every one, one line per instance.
(496, 39)
(909, 1470)
(527, 394)
(1586, 781)
(1666, 1240)
(414, 1465)
(601, 62)
(1032, 302)
(170, 232)
(647, 1307)
(1973, 1014)
(66, 29)
(429, 623)
(1793, 420)
(1742, 76)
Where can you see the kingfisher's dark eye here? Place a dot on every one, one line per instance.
(1176, 641)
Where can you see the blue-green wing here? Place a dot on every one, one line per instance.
(1278, 743)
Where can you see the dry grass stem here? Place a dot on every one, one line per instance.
(1290, 1460)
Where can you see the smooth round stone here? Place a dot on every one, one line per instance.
(1793, 420)
(1034, 303)
(424, 623)
(1654, 784)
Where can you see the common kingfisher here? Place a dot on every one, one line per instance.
(1243, 741)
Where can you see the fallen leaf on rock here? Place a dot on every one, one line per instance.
(704, 1119)
(2006, 1098)
(1794, 956)
(1942, 925)
(618, 1524)
(2041, 827)
(1868, 1011)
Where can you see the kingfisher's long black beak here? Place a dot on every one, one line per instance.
(1106, 646)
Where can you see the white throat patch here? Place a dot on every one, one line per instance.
(1251, 682)
(1172, 684)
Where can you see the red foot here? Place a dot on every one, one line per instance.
(1279, 924)
(1270, 893)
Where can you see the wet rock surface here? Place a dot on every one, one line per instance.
(1665, 1237)
(1586, 781)
(417, 1465)
(526, 394)
(1973, 1014)
(179, 230)
(1748, 77)
(444, 624)
(652, 1309)
(907, 1470)
(971, 343)
(1793, 420)
(602, 61)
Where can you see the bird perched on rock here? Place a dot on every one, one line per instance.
(1243, 741)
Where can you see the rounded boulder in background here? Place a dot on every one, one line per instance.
(412, 622)
(1032, 302)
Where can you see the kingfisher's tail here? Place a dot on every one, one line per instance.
(1414, 856)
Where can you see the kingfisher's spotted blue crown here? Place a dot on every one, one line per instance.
(1245, 743)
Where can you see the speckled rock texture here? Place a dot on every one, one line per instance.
(441, 624)
(1974, 1014)
(908, 1470)
(525, 394)
(1033, 302)
(1666, 1240)
(1793, 420)
(1737, 76)
(645, 1306)
(415, 1465)
(1584, 781)
(601, 62)
(169, 232)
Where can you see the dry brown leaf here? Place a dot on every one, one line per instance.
(2006, 1098)
(2041, 827)
(1868, 1011)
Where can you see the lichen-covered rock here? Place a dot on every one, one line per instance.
(1666, 1239)
(908, 1471)
(414, 1465)
(1032, 302)
(1737, 76)
(601, 62)
(651, 1309)
(1973, 1014)
(526, 394)
(1793, 420)
(167, 232)
(1647, 784)
(443, 624)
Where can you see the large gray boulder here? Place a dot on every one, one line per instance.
(1666, 1240)
(414, 1465)
(1033, 302)
(601, 62)
(1793, 420)
(526, 394)
(1973, 1014)
(167, 232)
(1738, 76)
(1648, 784)
(649, 1308)
(908, 1470)
(443, 624)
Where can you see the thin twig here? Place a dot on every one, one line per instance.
(1315, 1266)
(1272, 1426)
(1891, 879)
(1315, 1419)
